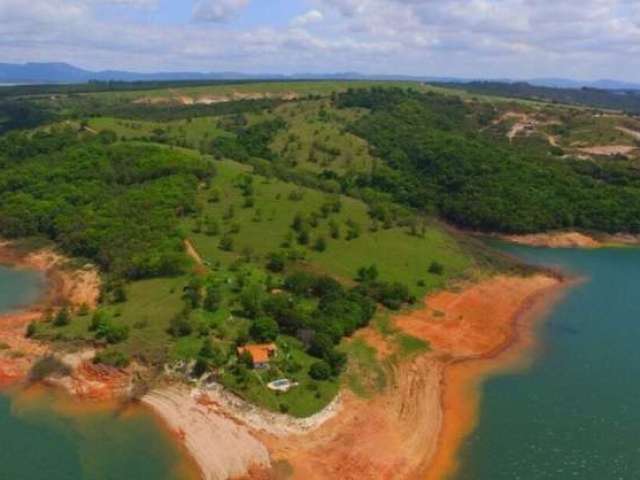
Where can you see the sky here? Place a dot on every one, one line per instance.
(585, 39)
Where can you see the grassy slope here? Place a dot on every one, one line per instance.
(398, 255)
(262, 228)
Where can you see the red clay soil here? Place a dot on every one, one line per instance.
(413, 430)
(73, 287)
(485, 329)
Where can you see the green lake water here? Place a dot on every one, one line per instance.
(575, 413)
(47, 436)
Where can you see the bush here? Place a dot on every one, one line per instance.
(320, 370)
(300, 283)
(321, 345)
(179, 326)
(367, 274)
(113, 333)
(32, 329)
(264, 329)
(436, 268)
(62, 318)
(226, 243)
(212, 299)
(277, 262)
(320, 244)
(391, 294)
(112, 358)
(47, 366)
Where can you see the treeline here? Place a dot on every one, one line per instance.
(116, 204)
(167, 112)
(434, 160)
(17, 114)
(625, 100)
(249, 142)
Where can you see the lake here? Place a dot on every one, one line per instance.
(574, 413)
(45, 435)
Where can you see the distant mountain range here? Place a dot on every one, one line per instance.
(11, 73)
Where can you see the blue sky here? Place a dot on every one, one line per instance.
(584, 39)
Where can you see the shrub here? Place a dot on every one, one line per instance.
(62, 318)
(367, 274)
(113, 333)
(226, 243)
(212, 299)
(264, 329)
(320, 244)
(320, 370)
(179, 326)
(277, 262)
(32, 329)
(436, 268)
(47, 366)
(112, 358)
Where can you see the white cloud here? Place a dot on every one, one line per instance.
(138, 4)
(217, 10)
(472, 38)
(312, 16)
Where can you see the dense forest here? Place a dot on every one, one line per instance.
(116, 204)
(435, 159)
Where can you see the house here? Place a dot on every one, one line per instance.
(261, 354)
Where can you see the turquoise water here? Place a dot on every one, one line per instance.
(18, 288)
(575, 414)
(47, 436)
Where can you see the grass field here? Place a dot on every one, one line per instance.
(192, 133)
(264, 227)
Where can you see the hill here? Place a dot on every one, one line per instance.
(292, 213)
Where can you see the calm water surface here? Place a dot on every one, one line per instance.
(46, 436)
(575, 414)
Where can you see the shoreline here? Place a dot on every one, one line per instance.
(430, 406)
(422, 417)
(462, 379)
(573, 239)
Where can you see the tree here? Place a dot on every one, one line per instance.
(209, 356)
(213, 298)
(334, 229)
(32, 329)
(321, 345)
(62, 318)
(264, 329)
(436, 268)
(353, 230)
(245, 360)
(304, 237)
(211, 226)
(111, 332)
(320, 244)
(179, 326)
(226, 243)
(251, 298)
(192, 292)
(277, 262)
(367, 274)
(320, 370)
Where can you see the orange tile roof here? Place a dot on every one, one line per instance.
(260, 353)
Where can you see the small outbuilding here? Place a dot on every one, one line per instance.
(261, 354)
